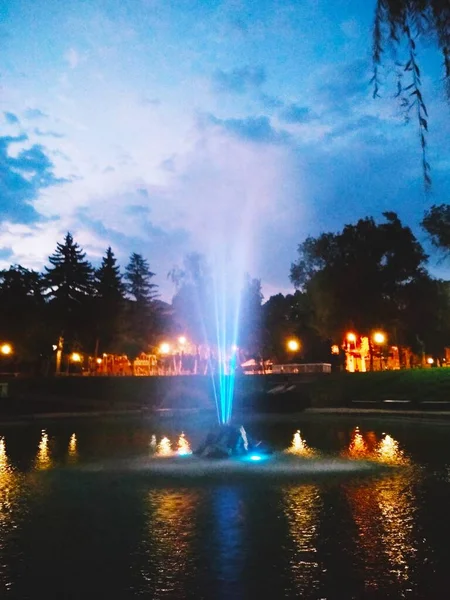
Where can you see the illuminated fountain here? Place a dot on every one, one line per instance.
(164, 448)
(299, 447)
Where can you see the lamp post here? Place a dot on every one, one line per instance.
(293, 346)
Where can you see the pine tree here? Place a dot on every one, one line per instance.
(142, 311)
(138, 277)
(69, 284)
(108, 280)
(109, 302)
(70, 279)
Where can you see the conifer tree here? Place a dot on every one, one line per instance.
(110, 291)
(69, 285)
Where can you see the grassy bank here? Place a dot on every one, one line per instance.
(421, 388)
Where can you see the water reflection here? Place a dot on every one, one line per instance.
(302, 506)
(171, 529)
(72, 451)
(7, 481)
(43, 459)
(385, 513)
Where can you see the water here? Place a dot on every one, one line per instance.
(81, 516)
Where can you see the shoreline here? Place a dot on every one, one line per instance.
(423, 416)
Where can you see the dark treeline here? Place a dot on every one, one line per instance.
(371, 275)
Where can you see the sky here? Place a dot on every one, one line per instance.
(166, 126)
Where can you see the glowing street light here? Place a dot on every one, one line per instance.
(379, 337)
(99, 361)
(164, 348)
(351, 337)
(181, 340)
(293, 345)
(430, 360)
(75, 357)
(6, 349)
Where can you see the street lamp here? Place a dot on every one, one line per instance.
(293, 345)
(181, 340)
(6, 349)
(379, 338)
(75, 357)
(351, 337)
(164, 348)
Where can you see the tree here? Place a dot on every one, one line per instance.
(138, 280)
(23, 312)
(69, 283)
(141, 310)
(436, 223)
(399, 24)
(110, 300)
(357, 278)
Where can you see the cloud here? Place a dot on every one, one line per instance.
(253, 129)
(21, 179)
(35, 113)
(294, 113)
(53, 134)
(11, 118)
(238, 81)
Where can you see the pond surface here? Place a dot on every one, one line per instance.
(73, 526)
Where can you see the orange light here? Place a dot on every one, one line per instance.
(6, 349)
(351, 337)
(293, 345)
(379, 337)
(430, 360)
(75, 357)
(99, 361)
(164, 348)
(334, 349)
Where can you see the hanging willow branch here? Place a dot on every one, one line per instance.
(398, 25)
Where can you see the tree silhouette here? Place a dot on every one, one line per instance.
(436, 223)
(69, 283)
(357, 278)
(138, 280)
(398, 25)
(142, 311)
(109, 302)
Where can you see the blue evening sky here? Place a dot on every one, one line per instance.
(157, 125)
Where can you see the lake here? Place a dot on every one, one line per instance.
(81, 515)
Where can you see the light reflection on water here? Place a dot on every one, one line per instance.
(302, 506)
(168, 542)
(385, 514)
(72, 450)
(43, 458)
(381, 522)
